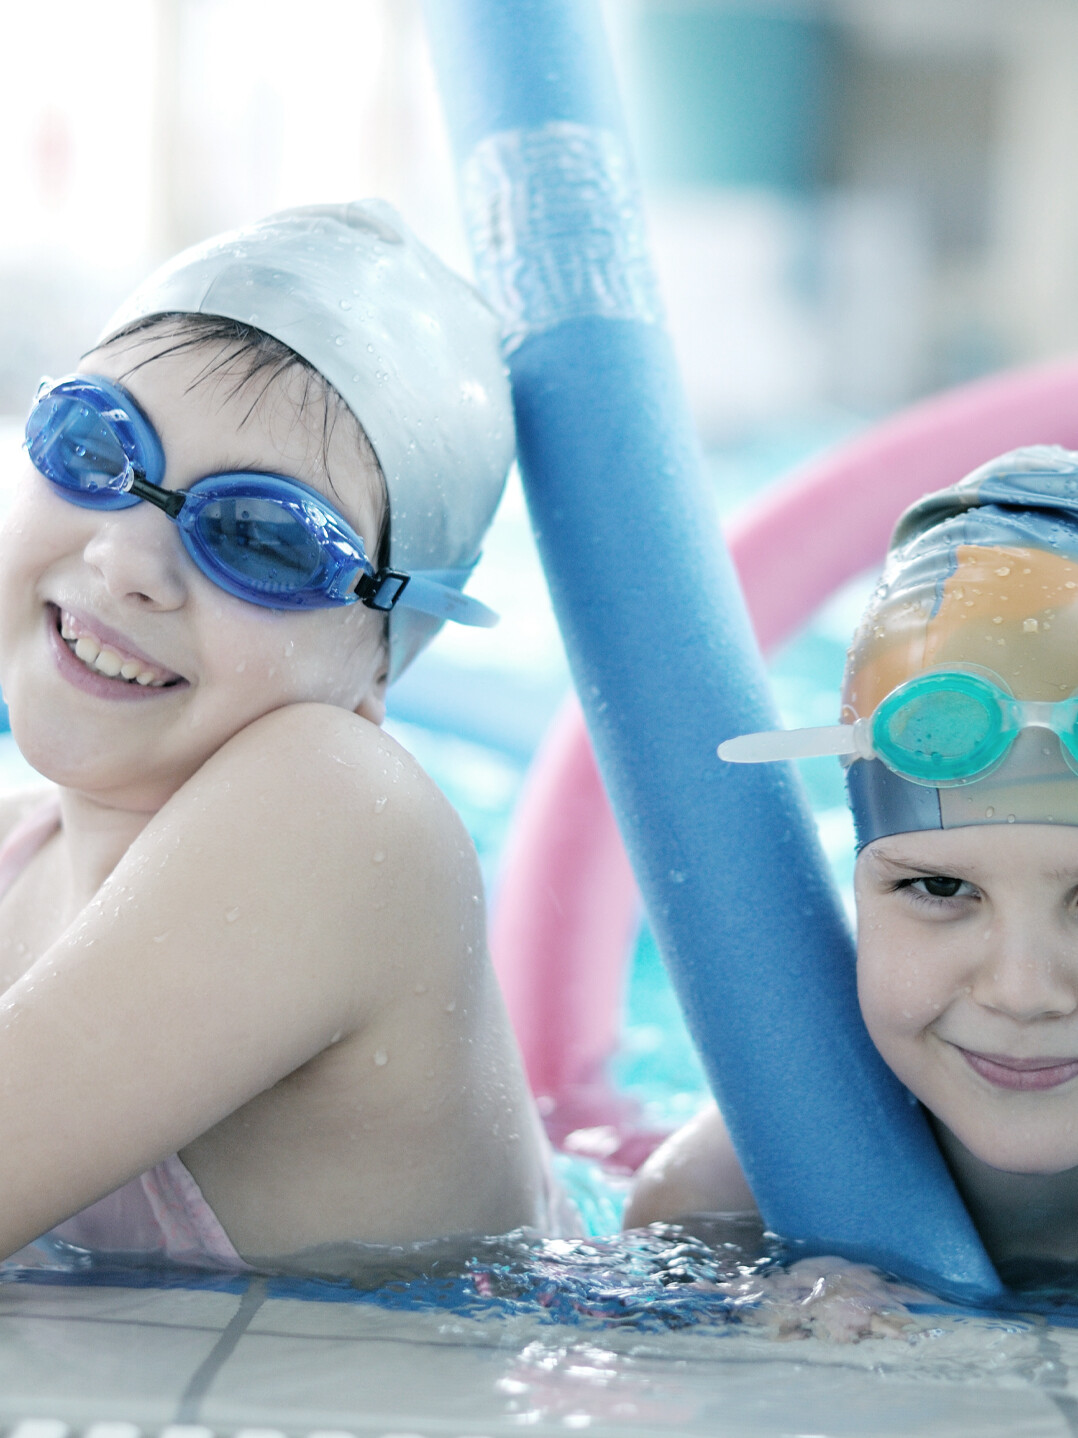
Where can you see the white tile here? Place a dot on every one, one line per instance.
(369, 1386)
(180, 1307)
(40, 1428)
(288, 1317)
(87, 1372)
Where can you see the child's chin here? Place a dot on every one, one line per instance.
(1031, 1159)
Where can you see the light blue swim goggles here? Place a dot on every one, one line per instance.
(265, 538)
(943, 728)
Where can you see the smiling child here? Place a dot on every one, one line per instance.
(960, 730)
(246, 1002)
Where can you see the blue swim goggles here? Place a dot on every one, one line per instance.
(943, 728)
(265, 538)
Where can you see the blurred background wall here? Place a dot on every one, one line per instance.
(852, 202)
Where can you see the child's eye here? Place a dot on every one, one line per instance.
(937, 886)
(940, 887)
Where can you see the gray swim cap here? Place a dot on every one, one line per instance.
(413, 351)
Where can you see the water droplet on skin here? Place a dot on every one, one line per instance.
(379, 804)
(1003, 571)
(1010, 818)
(381, 1058)
(336, 1037)
(997, 619)
(160, 938)
(989, 813)
(1029, 626)
(378, 857)
(676, 876)
(339, 340)
(231, 915)
(346, 304)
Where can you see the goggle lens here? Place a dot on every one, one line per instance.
(257, 543)
(74, 446)
(942, 729)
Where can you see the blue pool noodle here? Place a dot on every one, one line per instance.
(836, 1151)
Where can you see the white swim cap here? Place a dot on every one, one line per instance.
(411, 348)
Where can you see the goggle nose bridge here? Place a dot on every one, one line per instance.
(1037, 714)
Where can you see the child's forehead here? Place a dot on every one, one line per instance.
(1021, 853)
(216, 413)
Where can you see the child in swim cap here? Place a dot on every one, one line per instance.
(247, 1005)
(960, 736)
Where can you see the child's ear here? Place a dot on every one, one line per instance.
(373, 705)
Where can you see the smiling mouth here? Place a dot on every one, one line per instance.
(110, 661)
(1021, 1074)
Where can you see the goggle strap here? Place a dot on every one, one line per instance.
(433, 595)
(777, 744)
(428, 592)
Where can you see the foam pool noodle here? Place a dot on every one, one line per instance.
(663, 656)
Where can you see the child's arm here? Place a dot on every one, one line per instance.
(218, 958)
(694, 1171)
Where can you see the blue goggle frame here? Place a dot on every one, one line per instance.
(265, 538)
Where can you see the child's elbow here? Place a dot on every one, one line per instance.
(695, 1171)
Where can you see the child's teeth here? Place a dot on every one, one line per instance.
(107, 661)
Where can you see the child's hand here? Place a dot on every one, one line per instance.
(826, 1298)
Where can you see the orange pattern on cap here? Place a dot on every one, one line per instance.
(1013, 611)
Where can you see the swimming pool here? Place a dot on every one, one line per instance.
(603, 1335)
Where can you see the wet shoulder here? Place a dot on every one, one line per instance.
(327, 759)
(359, 821)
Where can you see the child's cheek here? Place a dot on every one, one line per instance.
(900, 994)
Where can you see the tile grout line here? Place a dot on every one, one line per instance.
(204, 1375)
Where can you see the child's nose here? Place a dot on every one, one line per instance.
(138, 554)
(1027, 976)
